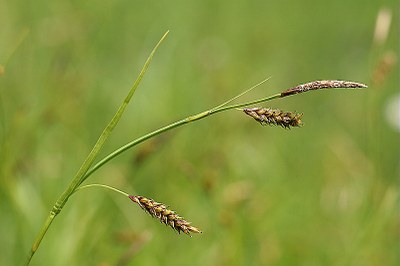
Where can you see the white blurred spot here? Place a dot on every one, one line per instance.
(393, 112)
(382, 25)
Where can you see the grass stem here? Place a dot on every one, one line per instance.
(189, 119)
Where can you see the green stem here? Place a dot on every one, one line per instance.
(234, 106)
(189, 119)
(81, 174)
(241, 94)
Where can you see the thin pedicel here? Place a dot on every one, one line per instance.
(155, 209)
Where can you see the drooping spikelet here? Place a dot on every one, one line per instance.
(268, 116)
(165, 215)
(322, 84)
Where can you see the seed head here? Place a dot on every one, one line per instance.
(165, 215)
(268, 116)
(322, 84)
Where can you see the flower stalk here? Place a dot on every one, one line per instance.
(155, 209)
(159, 210)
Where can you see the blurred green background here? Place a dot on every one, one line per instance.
(323, 194)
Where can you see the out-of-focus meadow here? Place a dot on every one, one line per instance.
(323, 194)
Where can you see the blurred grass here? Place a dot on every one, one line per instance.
(326, 193)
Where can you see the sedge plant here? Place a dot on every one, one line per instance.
(164, 214)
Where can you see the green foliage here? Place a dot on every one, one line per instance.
(325, 193)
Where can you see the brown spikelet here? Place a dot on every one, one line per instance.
(268, 116)
(165, 215)
(322, 84)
